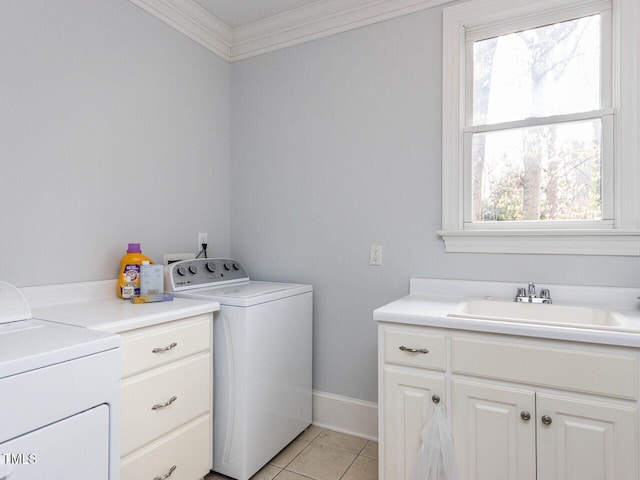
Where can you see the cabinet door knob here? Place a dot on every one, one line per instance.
(546, 419)
(435, 398)
(526, 416)
(413, 350)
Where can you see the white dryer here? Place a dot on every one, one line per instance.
(262, 360)
(59, 408)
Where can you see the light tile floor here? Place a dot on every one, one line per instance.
(320, 454)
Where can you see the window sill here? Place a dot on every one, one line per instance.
(556, 242)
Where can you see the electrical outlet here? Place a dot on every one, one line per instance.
(202, 238)
(375, 255)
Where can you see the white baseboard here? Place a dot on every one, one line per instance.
(345, 415)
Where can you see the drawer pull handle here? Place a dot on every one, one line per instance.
(166, 475)
(413, 350)
(164, 349)
(165, 404)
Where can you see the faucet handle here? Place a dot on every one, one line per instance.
(522, 293)
(532, 289)
(544, 293)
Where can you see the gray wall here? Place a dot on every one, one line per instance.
(337, 146)
(114, 128)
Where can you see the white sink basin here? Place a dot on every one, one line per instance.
(544, 314)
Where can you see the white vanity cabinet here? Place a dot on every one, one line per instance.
(167, 400)
(519, 407)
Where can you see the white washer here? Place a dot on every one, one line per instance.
(262, 360)
(59, 410)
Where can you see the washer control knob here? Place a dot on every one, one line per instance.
(211, 266)
(181, 271)
(227, 266)
(193, 269)
(236, 266)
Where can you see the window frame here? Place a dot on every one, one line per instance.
(619, 231)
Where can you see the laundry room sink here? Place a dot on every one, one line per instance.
(545, 314)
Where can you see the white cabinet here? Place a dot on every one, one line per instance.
(492, 441)
(506, 433)
(408, 406)
(167, 400)
(520, 408)
(407, 395)
(585, 440)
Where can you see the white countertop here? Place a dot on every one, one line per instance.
(430, 300)
(117, 315)
(94, 305)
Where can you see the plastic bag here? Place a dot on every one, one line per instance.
(435, 457)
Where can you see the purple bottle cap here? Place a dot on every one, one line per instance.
(134, 248)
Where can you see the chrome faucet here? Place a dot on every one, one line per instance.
(528, 295)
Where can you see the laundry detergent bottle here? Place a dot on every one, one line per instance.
(129, 274)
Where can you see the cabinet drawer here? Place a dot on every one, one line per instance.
(151, 347)
(188, 380)
(188, 448)
(589, 371)
(429, 351)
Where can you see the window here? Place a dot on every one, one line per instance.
(539, 154)
(535, 123)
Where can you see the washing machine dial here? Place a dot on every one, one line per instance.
(236, 266)
(228, 266)
(211, 266)
(193, 269)
(181, 271)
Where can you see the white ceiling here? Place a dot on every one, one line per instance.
(240, 12)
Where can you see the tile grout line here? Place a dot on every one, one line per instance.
(314, 439)
(356, 457)
(282, 469)
(350, 465)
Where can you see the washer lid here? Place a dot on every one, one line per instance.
(30, 344)
(246, 290)
(247, 293)
(13, 305)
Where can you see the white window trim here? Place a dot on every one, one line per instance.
(620, 238)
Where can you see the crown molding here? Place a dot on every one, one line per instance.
(318, 20)
(195, 22)
(310, 22)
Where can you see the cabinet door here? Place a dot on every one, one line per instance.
(407, 408)
(585, 440)
(493, 432)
